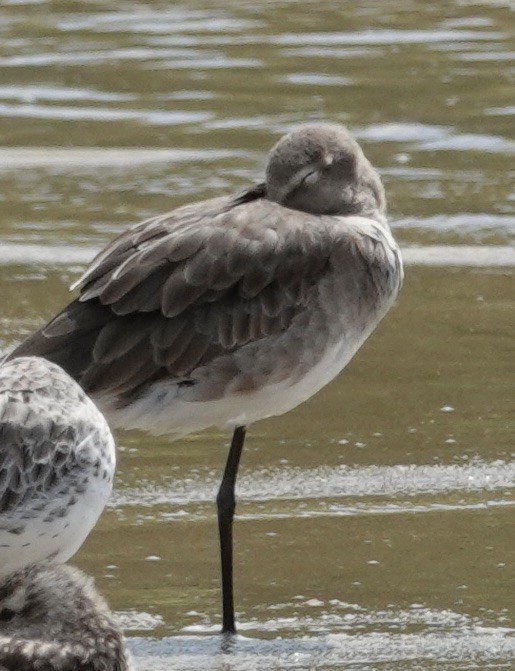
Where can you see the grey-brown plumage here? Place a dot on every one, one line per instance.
(219, 300)
(233, 309)
(53, 619)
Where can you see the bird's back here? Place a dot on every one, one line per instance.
(233, 309)
(182, 322)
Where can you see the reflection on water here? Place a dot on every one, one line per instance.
(375, 523)
(446, 643)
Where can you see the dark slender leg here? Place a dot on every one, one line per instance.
(226, 504)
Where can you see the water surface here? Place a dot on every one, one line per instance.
(375, 522)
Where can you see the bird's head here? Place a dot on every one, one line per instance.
(321, 169)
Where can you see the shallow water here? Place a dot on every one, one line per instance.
(375, 523)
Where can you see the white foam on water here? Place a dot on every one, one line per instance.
(340, 490)
(465, 647)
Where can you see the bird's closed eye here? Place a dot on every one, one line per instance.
(311, 177)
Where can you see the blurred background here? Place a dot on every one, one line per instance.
(375, 522)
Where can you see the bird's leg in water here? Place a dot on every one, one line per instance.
(226, 504)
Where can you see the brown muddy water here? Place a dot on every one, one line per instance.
(375, 523)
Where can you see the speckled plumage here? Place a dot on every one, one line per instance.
(53, 619)
(57, 460)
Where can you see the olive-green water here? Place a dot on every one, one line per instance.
(375, 522)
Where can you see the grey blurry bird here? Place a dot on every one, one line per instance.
(53, 619)
(234, 309)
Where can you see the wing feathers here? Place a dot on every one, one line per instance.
(177, 295)
(119, 336)
(119, 372)
(145, 296)
(176, 292)
(187, 360)
(166, 356)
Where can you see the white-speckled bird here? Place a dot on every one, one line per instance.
(57, 461)
(53, 619)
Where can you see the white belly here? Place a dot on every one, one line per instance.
(28, 536)
(162, 410)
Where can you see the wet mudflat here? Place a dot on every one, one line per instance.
(375, 522)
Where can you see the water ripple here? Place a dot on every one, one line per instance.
(31, 93)
(180, 59)
(328, 483)
(448, 642)
(385, 37)
(163, 21)
(28, 111)
(94, 157)
(471, 256)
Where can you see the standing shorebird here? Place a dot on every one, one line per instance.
(238, 308)
(57, 460)
(53, 619)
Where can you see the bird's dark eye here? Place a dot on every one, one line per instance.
(6, 614)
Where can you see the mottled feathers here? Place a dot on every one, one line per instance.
(51, 434)
(53, 619)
